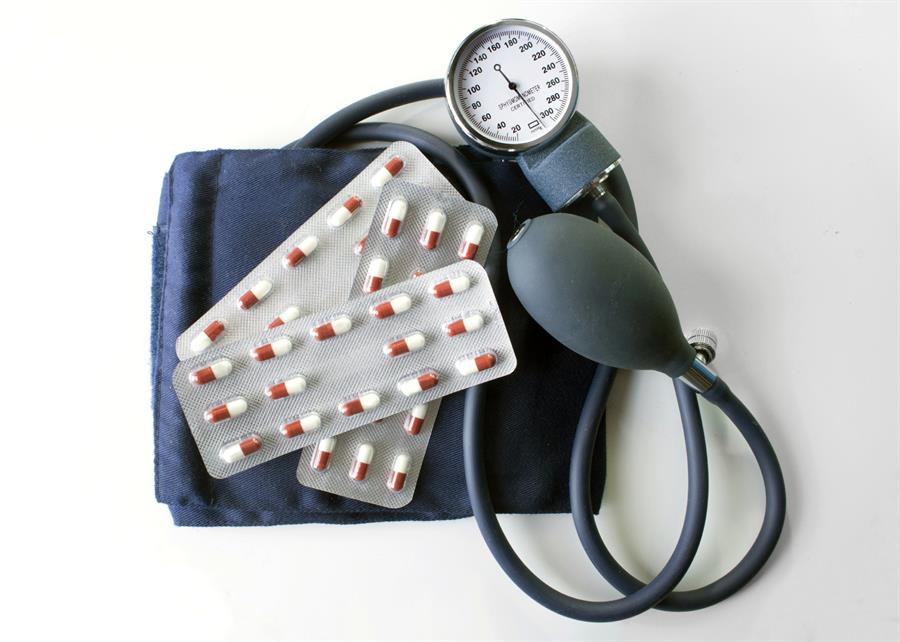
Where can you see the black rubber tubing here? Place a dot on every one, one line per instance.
(633, 603)
(755, 558)
(340, 121)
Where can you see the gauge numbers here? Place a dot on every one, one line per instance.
(511, 86)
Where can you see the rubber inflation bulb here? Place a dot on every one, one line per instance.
(596, 294)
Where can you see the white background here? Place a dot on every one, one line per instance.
(761, 142)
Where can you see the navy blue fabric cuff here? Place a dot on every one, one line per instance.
(222, 212)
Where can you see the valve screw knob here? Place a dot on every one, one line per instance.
(704, 341)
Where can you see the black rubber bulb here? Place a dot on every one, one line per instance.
(596, 294)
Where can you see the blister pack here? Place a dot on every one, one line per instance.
(378, 463)
(374, 356)
(312, 269)
(417, 230)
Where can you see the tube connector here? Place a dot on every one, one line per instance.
(705, 342)
(699, 375)
(597, 187)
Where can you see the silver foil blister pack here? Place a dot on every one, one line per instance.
(318, 376)
(312, 269)
(378, 463)
(417, 230)
(402, 242)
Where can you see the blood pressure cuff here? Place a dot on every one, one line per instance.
(220, 214)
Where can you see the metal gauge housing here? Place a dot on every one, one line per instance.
(511, 86)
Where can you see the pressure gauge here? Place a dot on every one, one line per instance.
(511, 86)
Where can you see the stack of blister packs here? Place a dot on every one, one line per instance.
(344, 339)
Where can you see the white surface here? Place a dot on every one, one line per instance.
(761, 141)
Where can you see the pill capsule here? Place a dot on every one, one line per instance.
(360, 245)
(228, 410)
(394, 217)
(360, 467)
(378, 268)
(409, 343)
(434, 225)
(304, 424)
(399, 469)
(322, 454)
(415, 418)
(471, 239)
(276, 348)
(453, 285)
(469, 322)
(286, 388)
(395, 305)
(365, 401)
(304, 248)
(419, 383)
(215, 370)
(209, 334)
(329, 329)
(290, 313)
(254, 295)
(345, 212)
(387, 171)
(416, 273)
(476, 363)
(237, 450)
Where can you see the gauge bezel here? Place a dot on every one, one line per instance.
(472, 134)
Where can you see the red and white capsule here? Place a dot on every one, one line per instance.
(418, 383)
(360, 245)
(476, 363)
(304, 248)
(322, 454)
(394, 217)
(397, 304)
(228, 410)
(453, 285)
(410, 343)
(237, 450)
(277, 348)
(205, 339)
(469, 322)
(287, 388)
(471, 240)
(345, 212)
(434, 226)
(291, 313)
(301, 425)
(214, 371)
(415, 419)
(365, 401)
(378, 268)
(360, 467)
(399, 470)
(255, 294)
(336, 326)
(387, 171)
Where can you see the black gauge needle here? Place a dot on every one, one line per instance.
(515, 88)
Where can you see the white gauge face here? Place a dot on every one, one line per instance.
(511, 86)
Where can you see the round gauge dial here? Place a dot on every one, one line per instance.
(511, 86)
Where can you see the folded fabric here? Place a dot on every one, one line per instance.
(221, 212)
